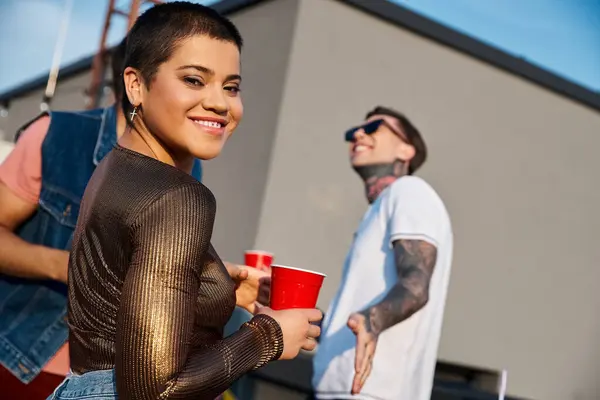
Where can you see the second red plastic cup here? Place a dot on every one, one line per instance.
(294, 287)
(258, 259)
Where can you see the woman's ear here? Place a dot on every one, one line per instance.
(133, 86)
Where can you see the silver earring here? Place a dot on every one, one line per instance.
(133, 114)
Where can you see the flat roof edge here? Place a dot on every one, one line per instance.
(440, 33)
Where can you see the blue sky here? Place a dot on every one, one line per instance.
(562, 36)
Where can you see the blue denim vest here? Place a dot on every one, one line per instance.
(33, 313)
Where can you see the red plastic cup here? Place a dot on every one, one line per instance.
(294, 287)
(258, 259)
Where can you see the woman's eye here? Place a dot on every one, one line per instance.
(233, 89)
(193, 81)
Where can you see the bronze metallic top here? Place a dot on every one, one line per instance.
(148, 294)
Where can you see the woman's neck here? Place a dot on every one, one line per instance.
(143, 142)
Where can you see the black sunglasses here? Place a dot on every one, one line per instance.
(371, 127)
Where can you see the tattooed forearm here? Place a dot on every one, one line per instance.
(415, 260)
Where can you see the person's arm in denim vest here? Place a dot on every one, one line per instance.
(20, 184)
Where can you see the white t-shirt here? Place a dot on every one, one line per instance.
(406, 353)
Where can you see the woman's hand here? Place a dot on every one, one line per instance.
(253, 287)
(298, 331)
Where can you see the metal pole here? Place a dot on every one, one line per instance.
(99, 61)
(134, 11)
(58, 50)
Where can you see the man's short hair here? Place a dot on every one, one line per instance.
(411, 132)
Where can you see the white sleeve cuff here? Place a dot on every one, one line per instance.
(412, 236)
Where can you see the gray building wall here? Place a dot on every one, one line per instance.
(70, 95)
(514, 163)
(239, 175)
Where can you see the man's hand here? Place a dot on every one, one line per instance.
(366, 343)
(415, 261)
(252, 286)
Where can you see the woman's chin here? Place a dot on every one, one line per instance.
(207, 152)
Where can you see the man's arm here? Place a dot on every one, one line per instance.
(18, 257)
(415, 260)
(20, 186)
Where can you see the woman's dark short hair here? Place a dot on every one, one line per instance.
(158, 31)
(411, 132)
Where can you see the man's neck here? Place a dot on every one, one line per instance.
(377, 177)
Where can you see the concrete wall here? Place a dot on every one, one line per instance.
(238, 176)
(69, 95)
(515, 164)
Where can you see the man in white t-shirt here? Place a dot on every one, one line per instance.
(380, 336)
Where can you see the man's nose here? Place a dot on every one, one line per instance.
(359, 134)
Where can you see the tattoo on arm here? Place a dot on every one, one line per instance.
(415, 260)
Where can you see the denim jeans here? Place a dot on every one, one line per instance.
(96, 385)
